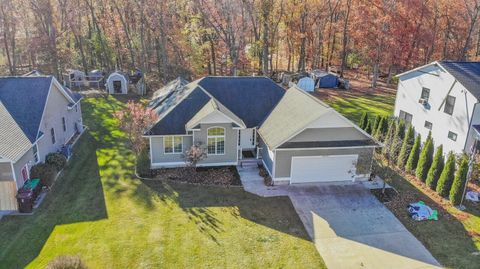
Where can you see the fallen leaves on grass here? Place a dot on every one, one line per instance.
(224, 176)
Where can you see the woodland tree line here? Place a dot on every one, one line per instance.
(167, 38)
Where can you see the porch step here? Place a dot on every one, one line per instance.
(249, 163)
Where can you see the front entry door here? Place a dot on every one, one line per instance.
(25, 173)
(247, 138)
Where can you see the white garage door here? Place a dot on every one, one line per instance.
(323, 168)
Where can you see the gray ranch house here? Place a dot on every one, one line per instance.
(37, 116)
(298, 138)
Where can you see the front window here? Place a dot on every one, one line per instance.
(173, 144)
(452, 136)
(52, 134)
(425, 94)
(407, 117)
(428, 125)
(35, 153)
(216, 141)
(449, 104)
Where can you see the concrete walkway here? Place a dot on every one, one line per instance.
(349, 226)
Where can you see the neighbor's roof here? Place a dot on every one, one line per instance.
(13, 141)
(25, 98)
(163, 93)
(293, 113)
(467, 73)
(247, 100)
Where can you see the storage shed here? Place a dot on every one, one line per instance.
(307, 84)
(95, 78)
(117, 83)
(324, 79)
(74, 78)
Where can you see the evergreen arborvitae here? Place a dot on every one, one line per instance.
(436, 169)
(396, 142)
(459, 182)
(407, 145)
(446, 177)
(364, 120)
(374, 126)
(368, 128)
(425, 160)
(382, 128)
(412, 160)
(389, 136)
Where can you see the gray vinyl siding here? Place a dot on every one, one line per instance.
(27, 158)
(265, 156)
(6, 172)
(283, 159)
(55, 109)
(158, 152)
(231, 143)
(328, 134)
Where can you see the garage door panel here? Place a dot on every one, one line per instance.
(326, 168)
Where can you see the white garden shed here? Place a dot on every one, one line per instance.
(117, 83)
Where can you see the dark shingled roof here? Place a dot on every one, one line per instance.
(329, 144)
(467, 73)
(24, 98)
(250, 98)
(174, 121)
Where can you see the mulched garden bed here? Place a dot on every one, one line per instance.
(385, 197)
(222, 176)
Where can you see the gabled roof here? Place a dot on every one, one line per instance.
(295, 111)
(211, 107)
(250, 98)
(24, 98)
(246, 100)
(467, 73)
(163, 93)
(13, 141)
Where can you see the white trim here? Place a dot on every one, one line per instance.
(3, 160)
(237, 143)
(38, 153)
(14, 175)
(44, 108)
(173, 145)
(62, 90)
(266, 168)
(166, 135)
(241, 124)
(317, 148)
(274, 163)
(420, 67)
(281, 180)
(183, 164)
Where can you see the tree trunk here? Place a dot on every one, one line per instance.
(345, 38)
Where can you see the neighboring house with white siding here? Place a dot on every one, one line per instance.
(37, 116)
(298, 138)
(442, 97)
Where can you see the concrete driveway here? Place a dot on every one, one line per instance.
(349, 226)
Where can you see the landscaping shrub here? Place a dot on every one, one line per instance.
(389, 136)
(376, 121)
(407, 145)
(436, 169)
(57, 160)
(446, 178)
(425, 161)
(396, 141)
(45, 172)
(381, 128)
(364, 120)
(412, 160)
(67, 262)
(368, 128)
(143, 164)
(459, 182)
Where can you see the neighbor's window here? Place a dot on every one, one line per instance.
(52, 133)
(173, 144)
(428, 125)
(449, 104)
(216, 141)
(407, 117)
(64, 123)
(35, 153)
(452, 136)
(425, 94)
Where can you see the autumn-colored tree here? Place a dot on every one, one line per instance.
(195, 154)
(134, 120)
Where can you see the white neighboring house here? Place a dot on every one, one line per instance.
(442, 97)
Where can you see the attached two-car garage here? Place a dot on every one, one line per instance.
(326, 168)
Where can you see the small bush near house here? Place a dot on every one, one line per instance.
(364, 120)
(413, 157)
(266, 177)
(407, 144)
(45, 172)
(435, 169)
(58, 160)
(67, 262)
(446, 178)
(143, 164)
(425, 161)
(459, 183)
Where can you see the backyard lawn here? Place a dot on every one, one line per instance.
(454, 240)
(100, 211)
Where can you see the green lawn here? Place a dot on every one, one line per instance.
(100, 211)
(454, 240)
